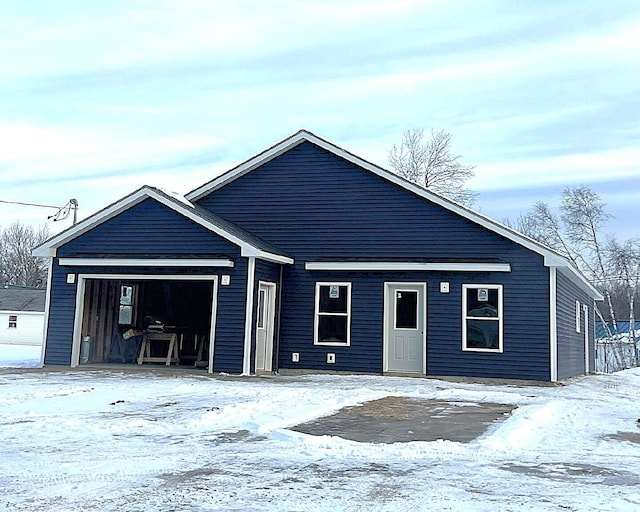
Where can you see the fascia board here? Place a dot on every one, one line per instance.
(264, 255)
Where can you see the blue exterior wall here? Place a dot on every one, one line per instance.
(314, 205)
(571, 343)
(229, 347)
(59, 336)
(150, 228)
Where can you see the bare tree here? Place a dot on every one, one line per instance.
(432, 165)
(624, 261)
(541, 224)
(577, 233)
(17, 266)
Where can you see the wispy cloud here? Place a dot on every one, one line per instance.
(105, 96)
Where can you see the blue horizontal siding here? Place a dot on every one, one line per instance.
(230, 321)
(59, 336)
(315, 205)
(571, 343)
(149, 228)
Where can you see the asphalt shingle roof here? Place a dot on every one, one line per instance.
(22, 299)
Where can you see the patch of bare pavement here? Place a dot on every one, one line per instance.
(397, 419)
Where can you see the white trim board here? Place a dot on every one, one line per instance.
(248, 316)
(47, 307)
(20, 312)
(145, 262)
(551, 257)
(400, 266)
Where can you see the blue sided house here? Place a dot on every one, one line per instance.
(309, 258)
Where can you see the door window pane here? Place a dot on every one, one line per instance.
(261, 306)
(406, 310)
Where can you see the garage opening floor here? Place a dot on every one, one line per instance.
(397, 419)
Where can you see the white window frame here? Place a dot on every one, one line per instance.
(578, 319)
(318, 313)
(500, 318)
(13, 322)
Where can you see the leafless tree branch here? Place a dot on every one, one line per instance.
(431, 164)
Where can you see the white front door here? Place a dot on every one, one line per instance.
(264, 326)
(405, 318)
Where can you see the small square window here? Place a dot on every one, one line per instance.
(13, 321)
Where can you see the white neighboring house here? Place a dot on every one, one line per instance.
(21, 315)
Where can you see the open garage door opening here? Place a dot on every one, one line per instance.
(135, 321)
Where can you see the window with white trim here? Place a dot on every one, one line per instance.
(13, 321)
(332, 323)
(482, 317)
(578, 321)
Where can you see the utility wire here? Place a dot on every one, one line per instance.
(62, 213)
(29, 204)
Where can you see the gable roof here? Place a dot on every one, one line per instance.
(250, 245)
(22, 299)
(551, 257)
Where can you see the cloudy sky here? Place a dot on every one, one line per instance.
(99, 98)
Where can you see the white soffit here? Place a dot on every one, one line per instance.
(399, 266)
(145, 262)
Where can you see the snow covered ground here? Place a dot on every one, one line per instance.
(121, 441)
(20, 356)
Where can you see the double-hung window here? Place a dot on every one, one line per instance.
(333, 314)
(13, 321)
(482, 317)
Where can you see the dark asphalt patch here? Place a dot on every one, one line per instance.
(400, 419)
